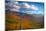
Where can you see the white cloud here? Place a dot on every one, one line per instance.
(16, 2)
(15, 6)
(26, 5)
(30, 6)
(14, 10)
(28, 12)
(34, 7)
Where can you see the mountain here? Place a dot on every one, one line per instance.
(24, 20)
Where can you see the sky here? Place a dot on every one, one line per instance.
(26, 7)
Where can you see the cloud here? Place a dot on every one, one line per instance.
(34, 7)
(14, 10)
(13, 7)
(28, 12)
(25, 5)
(16, 2)
(30, 6)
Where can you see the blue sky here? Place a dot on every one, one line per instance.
(28, 7)
(40, 7)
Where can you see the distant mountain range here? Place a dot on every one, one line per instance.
(34, 19)
(23, 14)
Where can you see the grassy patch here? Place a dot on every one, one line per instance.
(12, 21)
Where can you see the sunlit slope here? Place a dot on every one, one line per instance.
(21, 22)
